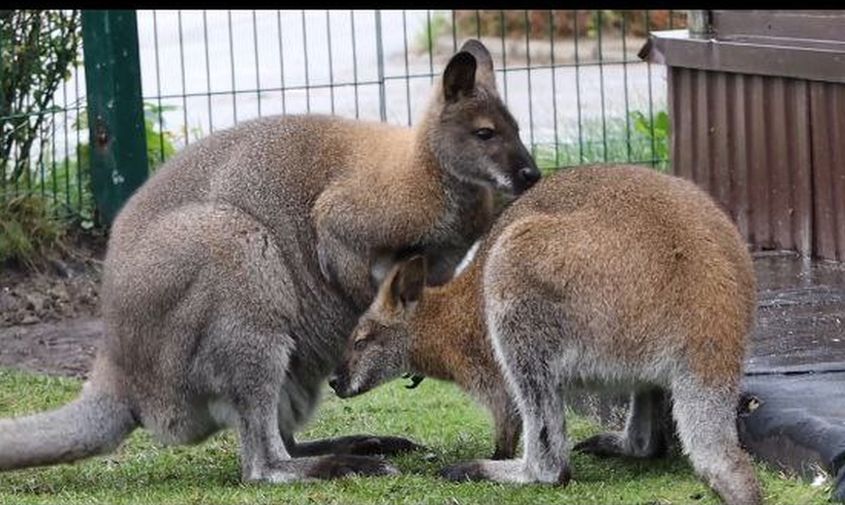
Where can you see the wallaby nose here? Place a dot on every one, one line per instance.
(333, 382)
(529, 174)
(527, 177)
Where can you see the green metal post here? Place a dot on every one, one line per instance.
(115, 108)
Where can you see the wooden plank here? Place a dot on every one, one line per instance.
(824, 232)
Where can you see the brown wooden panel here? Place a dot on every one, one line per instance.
(737, 132)
(824, 224)
(798, 140)
(836, 111)
(827, 112)
(779, 165)
(746, 140)
(682, 121)
(701, 132)
(758, 155)
(720, 170)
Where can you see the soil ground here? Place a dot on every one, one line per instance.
(49, 317)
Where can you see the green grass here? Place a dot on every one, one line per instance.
(435, 414)
(638, 140)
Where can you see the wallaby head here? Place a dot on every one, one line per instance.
(470, 130)
(379, 347)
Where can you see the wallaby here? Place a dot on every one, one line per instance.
(602, 276)
(234, 275)
(440, 339)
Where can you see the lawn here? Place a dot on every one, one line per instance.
(435, 414)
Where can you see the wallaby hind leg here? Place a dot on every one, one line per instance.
(706, 422)
(264, 457)
(508, 428)
(252, 393)
(644, 435)
(545, 451)
(538, 392)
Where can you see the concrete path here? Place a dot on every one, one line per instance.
(793, 411)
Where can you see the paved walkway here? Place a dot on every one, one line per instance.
(793, 413)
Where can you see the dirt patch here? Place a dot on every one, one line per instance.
(63, 287)
(49, 317)
(64, 348)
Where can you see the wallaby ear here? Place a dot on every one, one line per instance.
(483, 60)
(459, 76)
(408, 283)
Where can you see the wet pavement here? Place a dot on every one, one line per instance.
(793, 411)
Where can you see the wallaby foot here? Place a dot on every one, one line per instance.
(612, 443)
(706, 421)
(644, 434)
(332, 467)
(509, 471)
(321, 468)
(264, 457)
(361, 445)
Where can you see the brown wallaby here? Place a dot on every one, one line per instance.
(441, 338)
(234, 275)
(608, 276)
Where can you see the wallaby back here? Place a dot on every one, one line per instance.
(641, 261)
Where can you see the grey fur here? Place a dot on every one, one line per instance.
(234, 275)
(92, 424)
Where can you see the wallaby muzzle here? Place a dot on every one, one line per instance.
(339, 382)
(526, 173)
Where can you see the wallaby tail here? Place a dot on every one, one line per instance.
(95, 423)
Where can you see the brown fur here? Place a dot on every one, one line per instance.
(612, 275)
(448, 343)
(670, 260)
(441, 340)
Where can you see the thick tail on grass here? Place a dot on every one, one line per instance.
(94, 423)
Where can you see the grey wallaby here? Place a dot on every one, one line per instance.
(598, 277)
(235, 274)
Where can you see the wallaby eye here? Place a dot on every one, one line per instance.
(484, 133)
(360, 344)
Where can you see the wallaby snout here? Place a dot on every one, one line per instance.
(525, 178)
(525, 172)
(339, 382)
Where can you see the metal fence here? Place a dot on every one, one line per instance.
(571, 78)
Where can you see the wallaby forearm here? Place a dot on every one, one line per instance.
(364, 222)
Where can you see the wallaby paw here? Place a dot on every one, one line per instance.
(364, 445)
(463, 472)
(602, 445)
(333, 467)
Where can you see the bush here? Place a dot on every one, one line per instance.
(29, 230)
(38, 48)
(637, 23)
